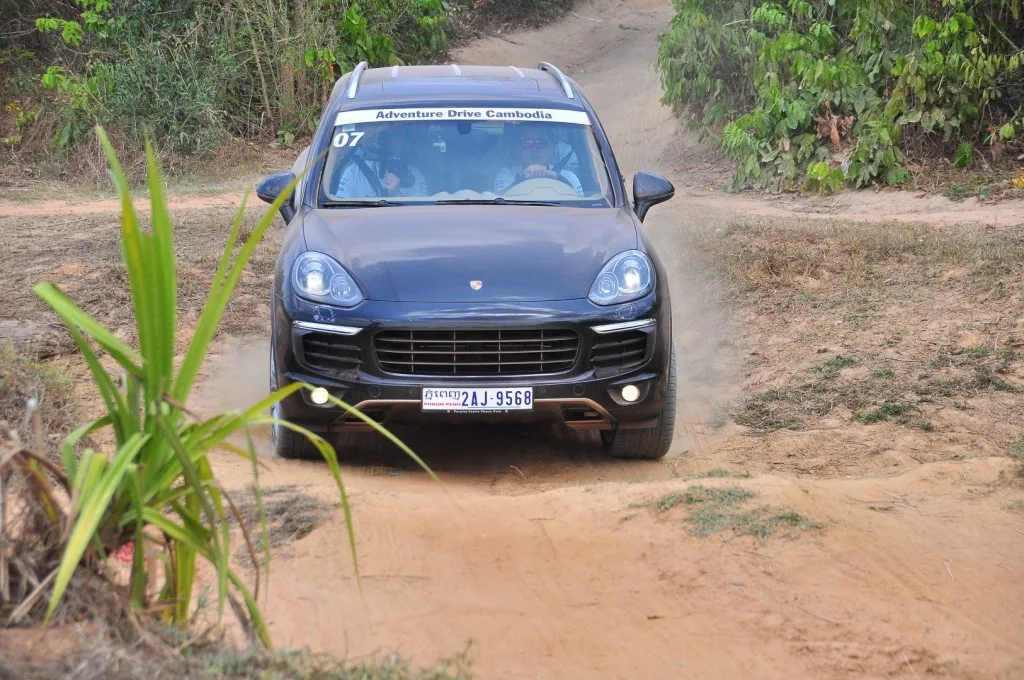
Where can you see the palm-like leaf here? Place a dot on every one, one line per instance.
(160, 475)
(92, 510)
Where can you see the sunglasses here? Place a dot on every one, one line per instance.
(535, 143)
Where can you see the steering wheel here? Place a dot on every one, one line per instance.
(521, 177)
(541, 188)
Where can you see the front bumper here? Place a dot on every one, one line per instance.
(584, 396)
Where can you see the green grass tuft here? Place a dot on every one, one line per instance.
(890, 409)
(766, 521)
(1017, 449)
(831, 368)
(980, 352)
(703, 494)
(987, 379)
(725, 495)
(1016, 507)
(716, 509)
(721, 473)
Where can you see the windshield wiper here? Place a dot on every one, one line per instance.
(377, 203)
(492, 201)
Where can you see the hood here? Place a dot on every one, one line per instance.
(431, 253)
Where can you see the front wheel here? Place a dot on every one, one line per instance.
(652, 442)
(294, 446)
(287, 443)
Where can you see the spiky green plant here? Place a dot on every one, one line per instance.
(157, 488)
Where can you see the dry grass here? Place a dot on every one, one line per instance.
(34, 163)
(23, 378)
(886, 392)
(31, 544)
(866, 338)
(848, 260)
(291, 514)
(34, 169)
(868, 279)
(933, 170)
(89, 651)
(82, 255)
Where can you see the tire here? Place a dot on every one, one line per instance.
(349, 444)
(647, 443)
(293, 446)
(287, 443)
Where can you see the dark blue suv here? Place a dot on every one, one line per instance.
(462, 249)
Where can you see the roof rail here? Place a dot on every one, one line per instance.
(353, 80)
(545, 66)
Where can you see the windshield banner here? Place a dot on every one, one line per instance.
(481, 114)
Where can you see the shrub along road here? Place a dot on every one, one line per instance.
(852, 426)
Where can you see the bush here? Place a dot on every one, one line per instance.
(822, 92)
(169, 88)
(193, 71)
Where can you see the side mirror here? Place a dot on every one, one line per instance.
(648, 190)
(270, 189)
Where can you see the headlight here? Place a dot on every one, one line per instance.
(627, 276)
(319, 278)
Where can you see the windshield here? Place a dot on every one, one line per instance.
(546, 156)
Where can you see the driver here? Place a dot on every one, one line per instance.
(537, 158)
(379, 166)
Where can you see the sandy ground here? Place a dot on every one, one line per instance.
(554, 562)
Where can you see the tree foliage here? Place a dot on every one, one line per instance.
(194, 72)
(823, 92)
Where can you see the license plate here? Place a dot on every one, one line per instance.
(477, 399)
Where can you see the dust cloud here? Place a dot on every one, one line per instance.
(235, 376)
(646, 136)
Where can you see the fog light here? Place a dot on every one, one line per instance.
(630, 392)
(319, 396)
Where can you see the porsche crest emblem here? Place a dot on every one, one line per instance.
(476, 285)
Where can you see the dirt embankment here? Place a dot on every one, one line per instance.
(853, 376)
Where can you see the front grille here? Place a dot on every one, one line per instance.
(619, 350)
(464, 352)
(330, 352)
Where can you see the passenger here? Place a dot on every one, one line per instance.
(379, 166)
(537, 151)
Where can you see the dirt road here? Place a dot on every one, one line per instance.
(906, 546)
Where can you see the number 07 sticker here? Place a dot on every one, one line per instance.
(347, 138)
